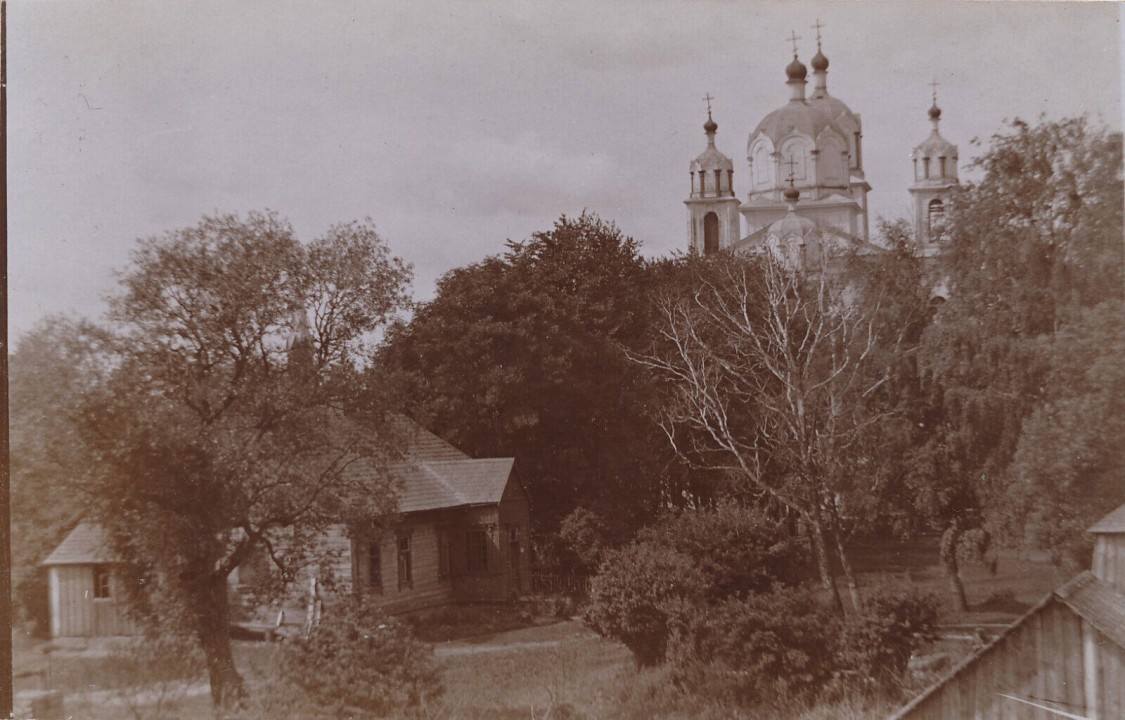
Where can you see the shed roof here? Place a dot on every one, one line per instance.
(1085, 595)
(1112, 523)
(453, 483)
(87, 544)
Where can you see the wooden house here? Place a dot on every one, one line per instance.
(86, 593)
(461, 535)
(1065, 658)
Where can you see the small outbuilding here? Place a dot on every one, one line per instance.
(1065, 658)
(86, 593)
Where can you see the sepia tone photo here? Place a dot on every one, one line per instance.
(580, 360)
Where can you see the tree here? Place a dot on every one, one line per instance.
(52, 369)
(1034, 247)
(522, 354)
(229, 423)
(767, 372)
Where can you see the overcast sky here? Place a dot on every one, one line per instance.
(458, 125)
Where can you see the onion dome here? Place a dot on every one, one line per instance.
(819, 61)
(796, 70)
(935, 112)
(710, 126)
(792, 194)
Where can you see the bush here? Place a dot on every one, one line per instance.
(358, 658)
(893, 625)
(756, 649)
(630, 596)
(739, 549)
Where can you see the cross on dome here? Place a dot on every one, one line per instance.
(818, 28)
(793, 38)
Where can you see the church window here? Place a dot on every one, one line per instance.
(762, 167)
(710, 233)
(702, 183)
(915, 168)
(730, 182)
(926, 167)
(936, 211)
(858, 150)
(941, 166)
(718, 183)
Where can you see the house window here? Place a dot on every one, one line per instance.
(374, 566)
(443, 554)
(476, 543)
(405, 564)
(102, 590)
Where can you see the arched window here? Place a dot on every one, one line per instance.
(710, 233)
(935, 213)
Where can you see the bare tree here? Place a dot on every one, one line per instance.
(768, 371)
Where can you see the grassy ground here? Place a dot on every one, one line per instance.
(525, 663)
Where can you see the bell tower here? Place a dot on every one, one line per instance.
(935, 182)
(712, 206)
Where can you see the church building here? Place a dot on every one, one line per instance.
(807, 194)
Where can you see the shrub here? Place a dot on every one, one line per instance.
(739, 549)
(151, 675)
(893, 625)
(751, 650)
(358, 658)
(630, 596)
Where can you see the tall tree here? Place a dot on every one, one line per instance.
(231, 421)
(1034, 246)
(523, 354)
(768, 371)
(53, 368)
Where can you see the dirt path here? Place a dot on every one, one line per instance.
(443, 651)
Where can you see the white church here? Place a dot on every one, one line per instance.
(807, 193)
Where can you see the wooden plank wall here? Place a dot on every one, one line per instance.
(1043, 660)
(1109, 560)
(75, 612)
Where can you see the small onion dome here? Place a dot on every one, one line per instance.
(792, 194)
(710, 126)
(796, 70)
(935, 112)
(819, 61)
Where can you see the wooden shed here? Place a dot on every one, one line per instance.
(87, 596)
(1065, 658)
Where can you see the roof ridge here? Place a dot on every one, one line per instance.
(433, 473)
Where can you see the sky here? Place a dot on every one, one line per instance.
(456, 126)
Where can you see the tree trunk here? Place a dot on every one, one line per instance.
(949, 541)
(212, 619)
(846, 564)
(820, 549)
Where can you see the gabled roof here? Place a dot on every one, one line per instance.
(87, 544)
(436, 475)
(1085, 595)
(453, 483)
(1112, 523)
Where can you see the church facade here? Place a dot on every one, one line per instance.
(806, 194)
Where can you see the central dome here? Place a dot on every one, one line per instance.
(809, 118)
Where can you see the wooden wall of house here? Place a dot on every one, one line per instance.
(75, 612)
(1109, 559)
(1048, 657)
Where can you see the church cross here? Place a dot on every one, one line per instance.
(934, 85)
(708, 98)
(793, 38)
(818, 28)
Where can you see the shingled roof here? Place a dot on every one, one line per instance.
(87, 544)
(437, 475)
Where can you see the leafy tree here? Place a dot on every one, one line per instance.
(229, 422)
(52, 369)
(522, 354)
(767, 373)
(1034, 246)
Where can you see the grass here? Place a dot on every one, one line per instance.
(526, 664)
